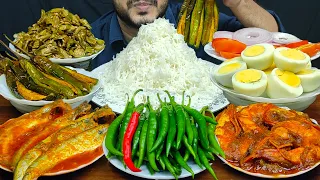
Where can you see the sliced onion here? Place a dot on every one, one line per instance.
(223, 34)
(251, 36)
(284, 38)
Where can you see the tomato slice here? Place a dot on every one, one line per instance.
(310, 49)
(297, 44)
(228, 55)
(228, 45)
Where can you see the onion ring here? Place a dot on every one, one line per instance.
(284, 38)
(251, 36)
(223, 34)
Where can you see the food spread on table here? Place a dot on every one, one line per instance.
(43, 140)
(157, 128)
(59, 34)
(263, 138)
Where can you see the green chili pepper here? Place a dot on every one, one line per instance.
(195, 145)
(182, 162)
(209, 156)
(127, 117)
(186, 156)
(162, 164)
(188, 146)
(142, 142)
(205, 162)
(176, 166)
(151, 136)
(202, 126)
(163, 126)
(135, 141)
(172, 130)
(111, 136)
(168, 165)
(151, 171)
(214, 142)
(180, 117)
(188, 123)
(159, 151)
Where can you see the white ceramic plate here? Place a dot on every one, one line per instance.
(24, 105)
(62, 61)
(211, 52)
(65, 171)
(101, 99)
(270, 176)
(145, 172)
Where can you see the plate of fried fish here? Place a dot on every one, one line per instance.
(268, 141)
(53, 140)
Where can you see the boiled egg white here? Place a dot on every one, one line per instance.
(258, 56)
(310, 79)
(290, 59)
(269, 70)
(223, 74)
(251, 82)
(283, 84)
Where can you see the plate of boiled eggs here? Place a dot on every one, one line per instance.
(264, 73)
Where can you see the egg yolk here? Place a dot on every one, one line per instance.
(228, 68)
(288, 77)
(255, 50)
(248, 76)
(305, 71)
(293, 54)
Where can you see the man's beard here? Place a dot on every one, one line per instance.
(124, 14)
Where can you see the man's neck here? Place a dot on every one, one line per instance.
(128, 32)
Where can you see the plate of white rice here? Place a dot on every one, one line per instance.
(157, 59)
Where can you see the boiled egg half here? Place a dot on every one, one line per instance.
(283, 84)
(290, 59)
(223, 74)
(251, 82)
(259, 56)
(310, 79)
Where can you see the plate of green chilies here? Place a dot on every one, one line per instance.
(170, 142)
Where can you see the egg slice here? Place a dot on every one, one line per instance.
(251, 82)
(259, 56)
(283, 84)
(290, 59)
(226, 70)
(310, 79)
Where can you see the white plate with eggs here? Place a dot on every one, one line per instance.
(264, 74)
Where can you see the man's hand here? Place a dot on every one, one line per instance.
(231, 3)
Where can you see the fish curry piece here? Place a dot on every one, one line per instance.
(264, 138)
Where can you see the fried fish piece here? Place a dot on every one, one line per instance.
(86, 141)
(80, 125)
(16, 131)
(59, 123)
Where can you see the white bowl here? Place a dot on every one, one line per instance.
(80, 62)
(299, 103)
(25, 106)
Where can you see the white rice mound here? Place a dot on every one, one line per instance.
(158, 59)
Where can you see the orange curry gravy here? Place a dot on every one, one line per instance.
(77, 160)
